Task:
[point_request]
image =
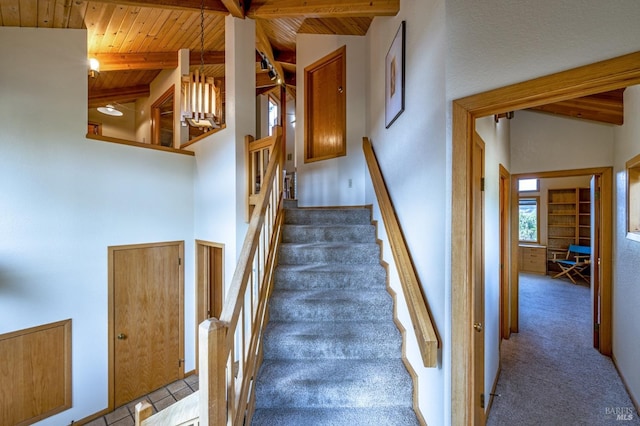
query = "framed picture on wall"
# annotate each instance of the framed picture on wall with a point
(394, 78)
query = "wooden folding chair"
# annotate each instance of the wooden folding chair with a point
(578, 259)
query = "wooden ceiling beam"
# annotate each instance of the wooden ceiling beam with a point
(210, 6)
(121, 95)
(264, 45)
(235, 7)
(286, 56)
(607, 107)
(273, 9)
(153, 60)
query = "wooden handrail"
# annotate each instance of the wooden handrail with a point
(426, 334)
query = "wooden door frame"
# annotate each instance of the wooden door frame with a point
(599, 77)
(478, 265)
(155, 116)
(202, 283)
(506, 264)
(111, 308)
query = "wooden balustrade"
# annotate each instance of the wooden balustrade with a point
(230, 347)
(416, 302)
(237, 336)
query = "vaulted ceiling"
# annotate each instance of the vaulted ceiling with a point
(135, 39)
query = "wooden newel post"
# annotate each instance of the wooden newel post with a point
(143, 410)
(212, 371)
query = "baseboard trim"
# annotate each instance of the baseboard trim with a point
(626, 386)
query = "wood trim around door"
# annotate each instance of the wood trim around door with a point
(505, 252)
(111, 310)
(204, 285)
(599, 77)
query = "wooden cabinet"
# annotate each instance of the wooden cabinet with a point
(568, 220)
(533, 258)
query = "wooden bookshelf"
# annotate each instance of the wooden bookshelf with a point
(568, 221)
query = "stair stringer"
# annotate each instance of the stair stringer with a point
(398, 323)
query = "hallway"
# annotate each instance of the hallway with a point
(550, 373)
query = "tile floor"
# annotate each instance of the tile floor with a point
(160, 399)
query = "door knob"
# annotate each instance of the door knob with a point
(122, 336)
(477, 326)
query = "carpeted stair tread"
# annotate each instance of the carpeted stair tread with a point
(326, 339)
(333, 383)
(330, 276)
(351, 253)
(330, 305)
(348, 416)
(329, 233)
(313, 216)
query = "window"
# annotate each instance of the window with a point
(633, 198)
(529, 219)
(528, 185)
(273, 115)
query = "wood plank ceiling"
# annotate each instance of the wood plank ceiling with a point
(135, 39)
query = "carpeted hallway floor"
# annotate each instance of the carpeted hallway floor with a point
(551, 374)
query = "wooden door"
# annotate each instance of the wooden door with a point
(595, 257)
(147, 314)
(477, 280)
(325, 109)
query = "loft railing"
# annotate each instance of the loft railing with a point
(230, 347)
(416, 302)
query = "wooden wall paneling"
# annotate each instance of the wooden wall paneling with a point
(35, 373)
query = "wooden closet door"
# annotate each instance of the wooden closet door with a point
(326, 107)
(147, 333)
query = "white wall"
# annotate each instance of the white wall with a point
(326, 183)
(413, 161)
(626, 291)
(545, 142)
(65, 199)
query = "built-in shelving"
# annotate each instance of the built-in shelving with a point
(568, 220)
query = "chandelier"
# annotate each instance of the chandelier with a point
(201, 101)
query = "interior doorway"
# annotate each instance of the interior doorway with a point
(607, 75)
(597, 217)
(210, 282)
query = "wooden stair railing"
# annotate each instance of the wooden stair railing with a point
(425, 330)
(230, 348)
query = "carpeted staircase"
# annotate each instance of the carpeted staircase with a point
(332, 353)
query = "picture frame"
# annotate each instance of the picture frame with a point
(394, 77)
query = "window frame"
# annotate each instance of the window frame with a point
(633, 198)
(529, 190)
(536, 199)
(272, 100)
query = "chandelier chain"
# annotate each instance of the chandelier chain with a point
(201, 36)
